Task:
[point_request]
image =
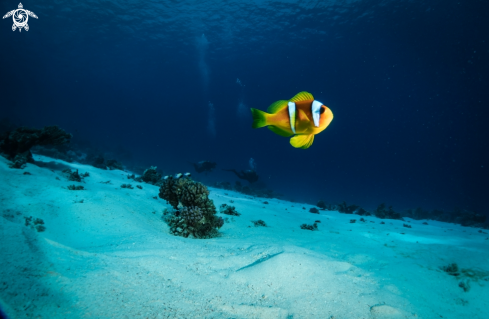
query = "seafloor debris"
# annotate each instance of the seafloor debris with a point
(464, 284)
(465, 275)
(258, 223)
(314, 210)
(310, 227)
(75, 187)
(72, 176)
(35, 223)
(228, 210)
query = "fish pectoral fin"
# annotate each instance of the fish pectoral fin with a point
(302, 116)
(279, 131)
(302, 96)
(302, 141)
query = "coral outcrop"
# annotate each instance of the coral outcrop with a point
(16, 145)
(151, 176)
(99, 161)
(113, 164)
(321, 205)
(386, 213)
(347, 209)
(193, 214)
(458, 216)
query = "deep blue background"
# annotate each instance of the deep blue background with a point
(407, 82)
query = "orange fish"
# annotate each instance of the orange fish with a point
(301, 116)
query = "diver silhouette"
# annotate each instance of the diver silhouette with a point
(249, 175)
(204, 166)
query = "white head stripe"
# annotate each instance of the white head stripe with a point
(315, 110)
(292, 116)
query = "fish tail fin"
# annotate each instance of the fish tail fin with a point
(259, 118)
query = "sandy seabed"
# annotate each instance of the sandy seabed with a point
(106, 253)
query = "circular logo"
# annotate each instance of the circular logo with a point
(20, 18)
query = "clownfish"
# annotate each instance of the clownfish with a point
(301, 116)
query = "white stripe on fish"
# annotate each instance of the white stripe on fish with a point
(315, 110)
(292, 114)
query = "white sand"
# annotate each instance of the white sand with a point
(112, 257)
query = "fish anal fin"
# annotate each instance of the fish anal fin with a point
(302, 141)
(277, 106)
(279, 131)
(302, 96)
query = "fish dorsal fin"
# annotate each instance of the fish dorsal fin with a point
(302, 96)
(302, 141)
(277, 106)
(279, 131)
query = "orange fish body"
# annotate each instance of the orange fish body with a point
(301, 116)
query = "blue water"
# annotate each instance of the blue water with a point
(406, 80)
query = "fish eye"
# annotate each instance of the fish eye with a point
(322, 110)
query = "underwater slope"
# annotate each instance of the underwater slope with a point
(106, 253)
